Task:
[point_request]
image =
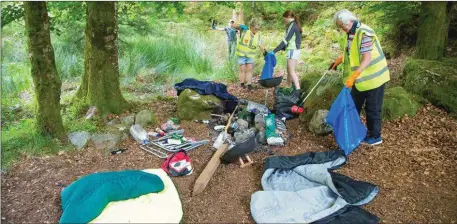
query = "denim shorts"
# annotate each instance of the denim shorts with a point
(242, 60)
(293, 54)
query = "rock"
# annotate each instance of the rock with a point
(435, 81)
(193, 106)
(242, 124)
(79, 139)
(113, 122)
(241, 136)
(259, 121)
(119, 129)
(107, 142)
(318, 125)
(128, 121)
(397, 102)
(92, 112)
(323, 95)
(145, 118)
(261, 138)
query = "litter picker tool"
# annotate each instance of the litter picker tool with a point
(208, 172)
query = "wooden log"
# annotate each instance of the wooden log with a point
(211, 167)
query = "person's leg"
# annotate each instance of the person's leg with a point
(373, 107)
(359, 98)
(291, 72)
(241, 63)
(249, 68)
(289, 76)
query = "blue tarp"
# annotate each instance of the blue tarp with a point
(205, 88)
(269, 67)
(348, 130)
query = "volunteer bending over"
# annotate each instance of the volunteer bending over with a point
(365, 67)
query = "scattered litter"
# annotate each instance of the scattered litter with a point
(118, 151)
(219, 127)
(202, 121)
(139, 134)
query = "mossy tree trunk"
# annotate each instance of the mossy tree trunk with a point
(433, 30)
(100, 85)
(44, 73)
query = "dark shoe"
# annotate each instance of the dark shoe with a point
(250, 87)
(373, 141)
(243, 86)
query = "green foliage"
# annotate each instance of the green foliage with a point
(435, 81)
(397, 102)
(21, 139)
(11, 11)
(323, 95)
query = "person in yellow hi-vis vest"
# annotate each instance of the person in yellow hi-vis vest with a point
(246, 48)
(365, 70)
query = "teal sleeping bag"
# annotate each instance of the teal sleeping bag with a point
(85, 199)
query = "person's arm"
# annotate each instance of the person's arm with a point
(240, 27)
(289, 35)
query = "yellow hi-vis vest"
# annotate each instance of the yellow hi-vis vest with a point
(376, 73)
(247, 45)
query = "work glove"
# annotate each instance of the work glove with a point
(350, 81)
(336, 63)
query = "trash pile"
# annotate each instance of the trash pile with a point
(168, 143)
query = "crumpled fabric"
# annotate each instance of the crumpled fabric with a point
(348, 129)
(205, 88)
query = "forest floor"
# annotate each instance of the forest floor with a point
(415, 168)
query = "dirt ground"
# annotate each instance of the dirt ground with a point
(415, 168)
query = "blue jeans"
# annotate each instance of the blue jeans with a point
(244, 60)
(373, 105)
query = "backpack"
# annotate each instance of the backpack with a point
(177, 164)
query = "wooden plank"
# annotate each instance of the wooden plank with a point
(211, 167)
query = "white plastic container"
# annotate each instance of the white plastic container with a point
(139, 134)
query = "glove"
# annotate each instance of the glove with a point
(350, 81)
(336, 63)
(243, 27)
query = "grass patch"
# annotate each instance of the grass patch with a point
(21, 139)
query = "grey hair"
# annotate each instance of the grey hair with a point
(344, 16)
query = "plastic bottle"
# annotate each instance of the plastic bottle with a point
(139, 134)
(257, 108)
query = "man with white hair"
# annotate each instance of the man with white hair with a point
(365, 65)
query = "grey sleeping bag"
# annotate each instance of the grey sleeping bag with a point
(303, 189)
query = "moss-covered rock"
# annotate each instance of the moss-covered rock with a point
(324, 94)
(397, 102)
(192, 105)
(436, 81)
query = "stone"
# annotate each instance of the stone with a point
(398, 103)
(145, 118)
(242, 124)
(241, 136)
(193, 106)
(119, 129)
(79, 139)
(107, 142)
(261, 138)
(323, 95)
(113, 122)
(435, 81)
(128, 121)
(259, 121)
(318, 124)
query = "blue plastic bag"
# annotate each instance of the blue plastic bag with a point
(348, 130)
(269, 67)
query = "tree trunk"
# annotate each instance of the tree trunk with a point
(44, 73)
(100, 85)
(433, 30)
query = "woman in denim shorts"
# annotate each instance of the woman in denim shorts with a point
(246, 48)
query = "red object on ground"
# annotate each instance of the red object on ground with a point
(297, 109)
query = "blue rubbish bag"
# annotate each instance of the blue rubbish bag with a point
(269, 67)
(348, 130)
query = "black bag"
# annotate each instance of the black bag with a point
(284, 101)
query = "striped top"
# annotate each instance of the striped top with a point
(367, 43)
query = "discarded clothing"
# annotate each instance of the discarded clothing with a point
(205, 88)
(162, 207)
(303, 189)
(348, 130)
(269, 67)
(85, 199)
